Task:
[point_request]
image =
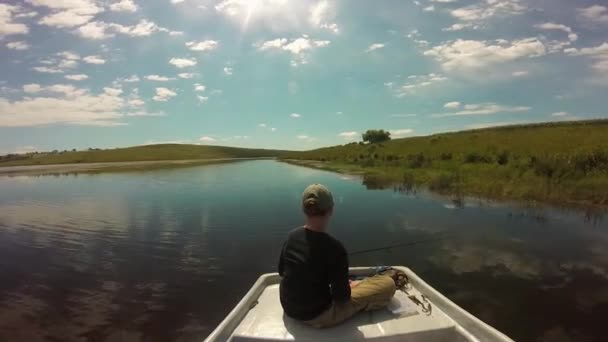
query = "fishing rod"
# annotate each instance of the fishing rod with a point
(405, 244)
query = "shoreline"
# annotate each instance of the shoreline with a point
(53, 169)
(377, 178)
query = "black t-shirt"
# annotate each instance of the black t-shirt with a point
(314, 267)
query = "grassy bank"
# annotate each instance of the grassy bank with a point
(564, 163)
(137, 153)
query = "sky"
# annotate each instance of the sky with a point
(291, 74)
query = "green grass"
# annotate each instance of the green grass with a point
(565, 163)
(138, 153)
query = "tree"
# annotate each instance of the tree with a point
(376, 136)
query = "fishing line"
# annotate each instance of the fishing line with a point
(405, 244)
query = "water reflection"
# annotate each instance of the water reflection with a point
(165, 255)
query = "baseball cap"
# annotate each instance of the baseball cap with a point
(317, 199)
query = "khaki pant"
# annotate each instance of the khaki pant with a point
(370, 294)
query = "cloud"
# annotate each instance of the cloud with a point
(32, 88)
(206, 139)
(136, 102)
(462, 55)
(199, 87)
(47, 70)
(483, 109)
(183, 62)
(460, 26)
(8, 26)
(595, 13)
(202, 99)
(94, 60)
(95, 30)
(76, 77)
(18, 45)
(487, 9)
(560, 114)
(123, 6)
(142, 113)
(273, 129)
(519, 73)
(429, 8)
(143, 28)
(415, 36)
(303, 137)
(452, 105)
(299, 48)
(177, 1)
(262, 125)
(322, 15)
(295, 115)
(163, 94)
(552, 26)
(228, 71)
(374, 46)
(158, 78)
(415, 83)
(598, 54)
(206, 45)
(67, 14)
(187, 75)
(349, 135)
(401, 132)
(64, 104)
(130, 79)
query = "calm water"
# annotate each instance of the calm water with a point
(164, 255)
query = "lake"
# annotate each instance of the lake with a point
(164, 255)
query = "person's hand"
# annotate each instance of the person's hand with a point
(353, 283)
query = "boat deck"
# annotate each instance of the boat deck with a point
(259, 317)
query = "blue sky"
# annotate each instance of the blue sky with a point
(291, 74)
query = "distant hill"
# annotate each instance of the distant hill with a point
(137, 153)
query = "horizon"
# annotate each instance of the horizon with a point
(279, 74)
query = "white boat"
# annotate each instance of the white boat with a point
(420, 313)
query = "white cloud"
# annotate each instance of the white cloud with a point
(471, 54)
(32, 88)
(206, 139)
(484, 109)
(30, 14)
(143, 28)
(595, 13)
(183, 62)
(303, 137)
(143, 113)
(460, 26)
(136, 102)
(47, 70)
(130, 79)
(176, 33)
(202, 99)
(64, 104)
(228, 71)
(163, 94)
(187, 75)
(177, 1)
(199, 87)
(349, 135)
(598, 54)
(206, 45)
(262, 125)
(322, 15)
(415, 83)
(415, 36)
(123, 6)
(374, 46)
(69, 55)
(560, 114)
(295, 115)
(273, 129)
(429, 8)
(95, 30)
(299, 47)
(76, 77)
(452, 105)
(487, 9)
(7, 24)
(94, 60)
(159, 78)
(552, 26)
(18, 45)
(395, 133)
(67, 13)
(519, 73)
